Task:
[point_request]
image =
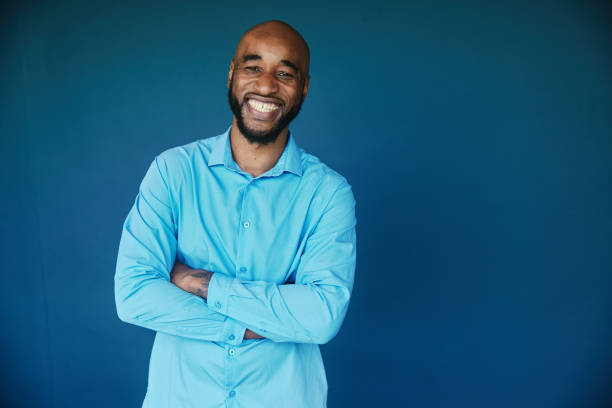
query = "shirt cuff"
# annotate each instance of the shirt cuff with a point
(218, 292)
(233, 332)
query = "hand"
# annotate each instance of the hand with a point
(194, 281)
(248, 334)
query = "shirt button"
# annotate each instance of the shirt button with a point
(242, 269)
(232, 352)
(232, 393)
(231, 337)
(246, 224)
(218, 305)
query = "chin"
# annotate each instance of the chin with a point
(259, 130)
(260, 136)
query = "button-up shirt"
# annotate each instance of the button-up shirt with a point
(282, 249)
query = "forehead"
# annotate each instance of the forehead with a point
(271, 48)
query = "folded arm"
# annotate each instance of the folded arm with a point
(144, 294)
(196, 281)
(309, 311)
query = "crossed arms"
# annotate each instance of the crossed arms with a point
(196, 282)
(150, 294)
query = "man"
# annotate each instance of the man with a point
(240, 249)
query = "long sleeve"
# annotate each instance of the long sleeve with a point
(312, 309)
(144, 294)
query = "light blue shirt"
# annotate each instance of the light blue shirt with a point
(282, 249)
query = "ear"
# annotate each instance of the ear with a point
(230, 73)
(305, 89)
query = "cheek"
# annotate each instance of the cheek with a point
(240, 85)
(291, 93)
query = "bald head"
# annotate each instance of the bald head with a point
(276, 32)
(268, 82)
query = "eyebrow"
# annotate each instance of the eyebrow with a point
(290, 64)
(253, 57)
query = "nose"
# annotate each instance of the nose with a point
(266, 84)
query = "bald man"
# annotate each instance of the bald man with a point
(239, 250)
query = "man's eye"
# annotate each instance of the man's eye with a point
(251, 69)
(284, 74)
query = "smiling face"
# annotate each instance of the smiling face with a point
(268, 81)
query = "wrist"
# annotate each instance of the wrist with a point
(199, 281)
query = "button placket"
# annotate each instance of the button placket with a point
(231, 353)
(246, 226)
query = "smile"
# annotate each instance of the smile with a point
(262, 106)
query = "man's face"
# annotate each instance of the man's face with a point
(267, 84)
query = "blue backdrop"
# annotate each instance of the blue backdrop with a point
(476, 135)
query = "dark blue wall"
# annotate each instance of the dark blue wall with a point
(477, 138)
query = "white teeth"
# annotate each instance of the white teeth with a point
(261, 106)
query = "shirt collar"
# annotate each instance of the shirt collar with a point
(217, 154)
(289, 161)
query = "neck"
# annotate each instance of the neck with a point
(254, 158)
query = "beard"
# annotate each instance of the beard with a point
(261, 137)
